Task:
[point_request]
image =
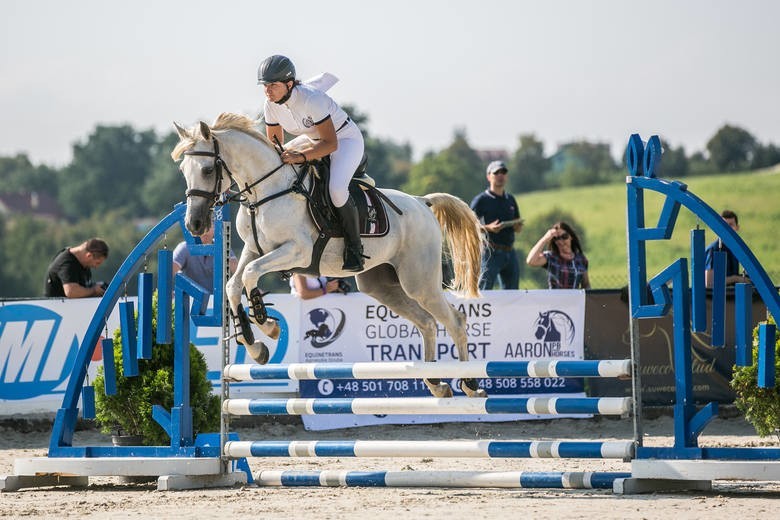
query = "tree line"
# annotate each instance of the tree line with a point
(120, 177)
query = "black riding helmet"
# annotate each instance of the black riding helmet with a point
(275, 68)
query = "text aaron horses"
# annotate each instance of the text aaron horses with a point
(403, 268)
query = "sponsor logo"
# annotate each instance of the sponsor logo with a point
(555, 329)
(328, 325)
(307, 121)
(37, 351)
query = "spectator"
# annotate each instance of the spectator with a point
(567, 266)
(500, 218)
(732, 264)
(308, 287)
(199, 268)
(69, 274)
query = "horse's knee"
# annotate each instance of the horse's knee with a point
(233, 286)
(249, 278)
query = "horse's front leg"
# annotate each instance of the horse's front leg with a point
(279, 259)
(244, 335)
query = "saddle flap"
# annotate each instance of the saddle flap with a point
(372, 213)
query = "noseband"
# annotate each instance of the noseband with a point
(219, 163)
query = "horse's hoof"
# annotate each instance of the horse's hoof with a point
(271, 329)
(259, 352)
(479, 392)
(441, 390)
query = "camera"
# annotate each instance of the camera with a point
(344, 286)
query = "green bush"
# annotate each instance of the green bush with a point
(761, 406)
(129, 411)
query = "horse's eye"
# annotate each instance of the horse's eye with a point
(207, 170)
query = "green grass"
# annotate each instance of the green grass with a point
(600, 216)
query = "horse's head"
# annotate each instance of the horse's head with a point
(204, 171)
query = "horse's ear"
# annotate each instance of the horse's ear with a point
(181, 131)
(205, 131)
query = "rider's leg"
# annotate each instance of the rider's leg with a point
(343, 163)
(353, 247)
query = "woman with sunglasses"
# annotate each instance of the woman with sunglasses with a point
(559, 251)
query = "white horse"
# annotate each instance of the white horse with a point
(402, 268)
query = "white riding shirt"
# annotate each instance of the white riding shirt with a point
(306, 108)
(299, 115)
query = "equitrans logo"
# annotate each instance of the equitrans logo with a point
(37, 351)
(328, 325)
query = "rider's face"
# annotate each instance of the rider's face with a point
(275, 91)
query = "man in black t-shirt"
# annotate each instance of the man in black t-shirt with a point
(499, 215)
(69, 274)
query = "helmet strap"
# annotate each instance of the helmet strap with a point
(286, 96)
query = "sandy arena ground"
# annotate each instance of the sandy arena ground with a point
(110, 498)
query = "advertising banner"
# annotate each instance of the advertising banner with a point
(502, 326)
(39, 340)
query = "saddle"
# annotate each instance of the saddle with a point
(370, 202)
(371, 212)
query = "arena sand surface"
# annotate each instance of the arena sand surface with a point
(108, 497)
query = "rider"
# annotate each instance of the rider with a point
(305, 111)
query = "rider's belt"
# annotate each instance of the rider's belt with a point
(345, 123)
(499, 247)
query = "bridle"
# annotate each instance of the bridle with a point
(219, 163)
(237, 196)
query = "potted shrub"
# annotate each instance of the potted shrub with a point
(761, 406)
(129, 411)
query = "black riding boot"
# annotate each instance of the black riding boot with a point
(353, 248)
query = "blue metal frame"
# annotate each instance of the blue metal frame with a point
(178, 422)
(642, 162)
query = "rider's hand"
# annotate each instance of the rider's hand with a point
(293, 157)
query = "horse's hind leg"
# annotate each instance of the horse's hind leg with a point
(428, 294)
(382, 284)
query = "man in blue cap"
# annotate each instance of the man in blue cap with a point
(500, 218)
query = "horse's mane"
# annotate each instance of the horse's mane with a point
(224, 121)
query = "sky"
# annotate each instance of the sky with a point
(420, 70)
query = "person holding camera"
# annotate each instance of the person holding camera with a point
(69, 274)
(199, 268)
(559, 251)
(308, 287)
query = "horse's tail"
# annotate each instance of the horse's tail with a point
(464, 240)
